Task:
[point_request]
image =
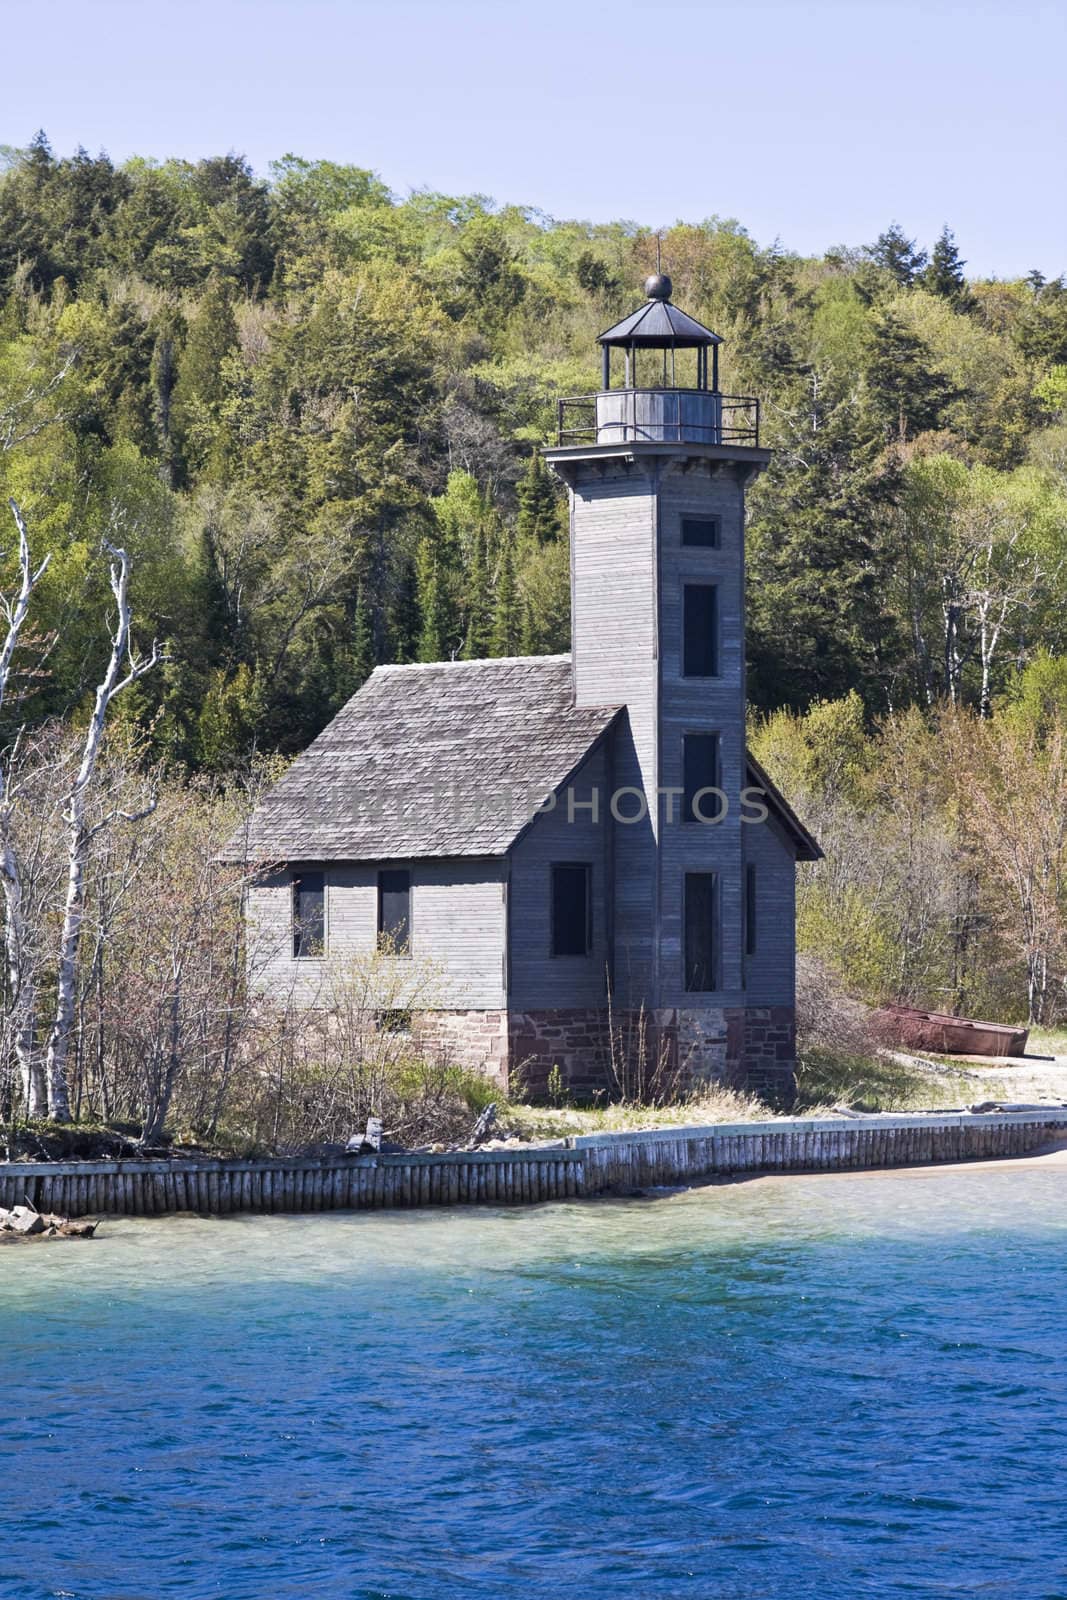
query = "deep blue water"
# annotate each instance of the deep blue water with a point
(826, 1386)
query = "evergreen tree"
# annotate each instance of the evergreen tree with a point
(894, 251)
(820, 618)
(201, 384)
(507, 620)
(433, 633)
(479, 608)
(539, 505)
(944, 275)
(907, 392)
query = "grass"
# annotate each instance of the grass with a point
(879, 1082)
(709, 1105)
(1047, 1042)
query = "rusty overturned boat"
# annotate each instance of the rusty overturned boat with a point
(946, 1035)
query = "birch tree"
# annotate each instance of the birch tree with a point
(21, 976)
(125, 667)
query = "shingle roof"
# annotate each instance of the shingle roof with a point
(446, 759)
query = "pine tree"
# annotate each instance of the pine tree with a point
(894, 251)
(539, 506)
(432, 606)
(944, 275)
(477, 640)
(201, 386)
(504, 640)
(906, 391)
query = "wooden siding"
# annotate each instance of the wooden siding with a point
(615, 648)
(539, 980)
(770, 974)
(459, 925)
(702, 705)
(629, 569)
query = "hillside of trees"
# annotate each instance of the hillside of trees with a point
(310, 410)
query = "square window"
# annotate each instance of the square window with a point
(572, 910)
(700, 630)
(394, 912)
(309, 914)
(701, 533)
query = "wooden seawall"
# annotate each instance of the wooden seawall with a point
(596, 1164)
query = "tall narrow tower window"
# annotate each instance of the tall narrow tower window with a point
(700, 627)
(751, 924)
(701, 772)
(701, 932)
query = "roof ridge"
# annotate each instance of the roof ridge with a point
(477, 661)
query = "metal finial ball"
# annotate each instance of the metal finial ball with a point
(658, 286)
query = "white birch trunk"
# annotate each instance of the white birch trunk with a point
(21, 976)
(80, 836)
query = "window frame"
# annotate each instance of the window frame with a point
(716, 933)
(701, 733)
(297, 879)
(713, 521)
(400, 952)
(692, 585)
(585, 867)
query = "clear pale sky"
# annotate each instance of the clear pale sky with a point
(816, 123)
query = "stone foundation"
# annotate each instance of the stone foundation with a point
(745, 1047)
(477, 1040)
(631, 1054)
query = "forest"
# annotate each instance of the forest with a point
(309, 411)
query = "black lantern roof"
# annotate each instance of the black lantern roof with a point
(658, 324)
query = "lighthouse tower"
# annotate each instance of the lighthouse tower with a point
(657, 466)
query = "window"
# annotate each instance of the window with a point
(701, 931)
(394, 912)
(701, 532)
(750, 910)
(700, 628)
(309, 914)
(394, 1021)
(572, 911)
(700, 771)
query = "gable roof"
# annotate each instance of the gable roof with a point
(442, 760)
(808, 847)
(446, 759)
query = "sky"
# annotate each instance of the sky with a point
(814, 122)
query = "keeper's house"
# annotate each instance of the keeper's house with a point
(552, 832)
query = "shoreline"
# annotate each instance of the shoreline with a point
(579, 1167)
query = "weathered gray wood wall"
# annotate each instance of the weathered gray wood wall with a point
(458, 911)
(538, 979)
(586, 1166)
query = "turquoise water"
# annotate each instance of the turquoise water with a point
(824, 1386)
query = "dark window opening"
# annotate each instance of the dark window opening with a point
(394, 912)
(700, 772)
(750, 910)
(701, 931)
(700, 628)
(701, 532)
(572, 911)
(309, 914)
(393, 1021)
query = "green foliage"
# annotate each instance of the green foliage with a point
(314, 411)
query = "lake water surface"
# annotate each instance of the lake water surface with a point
(803, 1386)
